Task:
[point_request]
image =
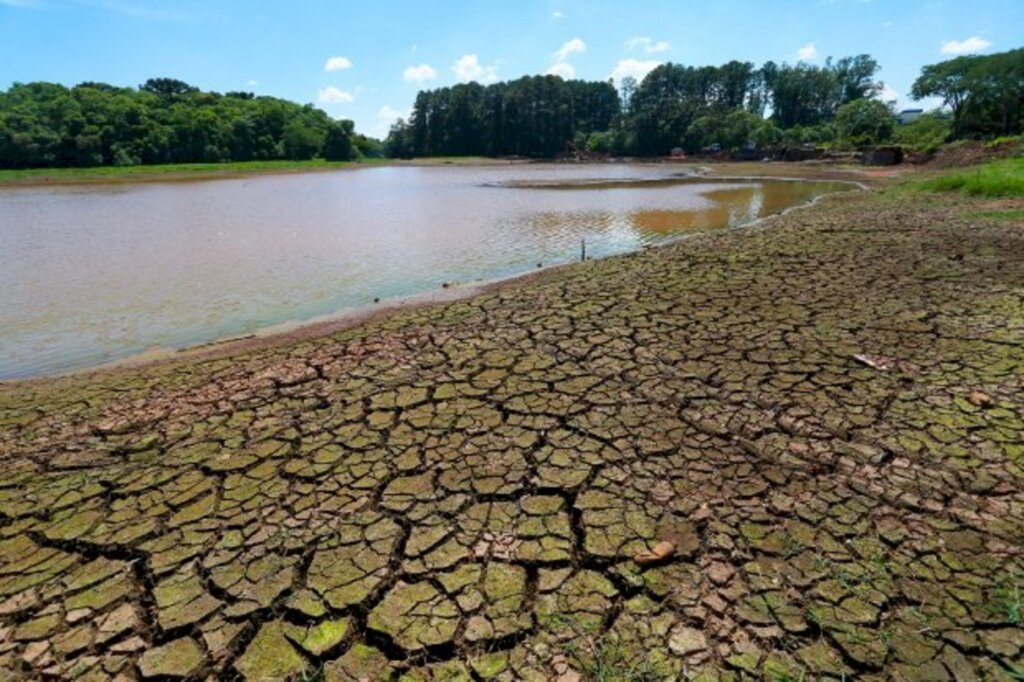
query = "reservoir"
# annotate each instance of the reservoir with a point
(92, 274)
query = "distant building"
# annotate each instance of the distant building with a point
(909, 115)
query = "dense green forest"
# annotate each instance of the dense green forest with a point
(675, 106)
(732, 106)
(163, 121)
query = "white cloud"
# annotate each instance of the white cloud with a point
(887, 94)
(333, 95)
(807, 53)
(886, 24)
(252, 83)
(558, 14)
(389, 114)
(563, 69)
(386, 117)
(649, 45)
(574, 45)
(337, 64)
(967, 46)
(468, 68)
(419, 74)
(636, 68)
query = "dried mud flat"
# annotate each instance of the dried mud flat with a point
(458, 491)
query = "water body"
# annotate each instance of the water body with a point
(92, 274)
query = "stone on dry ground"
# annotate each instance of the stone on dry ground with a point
(458, 491)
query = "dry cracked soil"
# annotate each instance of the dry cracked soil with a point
(457, 491)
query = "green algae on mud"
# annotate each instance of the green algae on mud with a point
(459, 489)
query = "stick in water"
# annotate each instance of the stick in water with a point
(583, 249)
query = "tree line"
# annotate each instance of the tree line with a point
(732, 106)
(675, 107)
(163, 121)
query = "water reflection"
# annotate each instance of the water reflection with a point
(88, 275)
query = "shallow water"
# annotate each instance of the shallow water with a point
(93, 274)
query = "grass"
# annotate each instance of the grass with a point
(1011, 214)
(996, 179)
(189, 171)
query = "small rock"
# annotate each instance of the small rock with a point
(662, 550)
(130, 645)
(76, 615)
(34, 651)
(979, 399)
(685, 641)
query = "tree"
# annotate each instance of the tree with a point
(167, 87)
(926, 132)
(338, 144)
(163, 121)
(864, 122)
(984, 93)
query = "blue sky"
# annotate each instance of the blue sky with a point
(366, 60)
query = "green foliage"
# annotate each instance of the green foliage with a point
(766, 134)
(600, 143)
(864, 122)
(674, 106)
(807, 95)
(926, 133)
(985, 93)
(163, 121)
(535, 116)
(996, 179)
(338, 144)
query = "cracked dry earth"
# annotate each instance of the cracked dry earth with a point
(457, 491)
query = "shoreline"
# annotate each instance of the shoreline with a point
(296, 331)
(184, 173)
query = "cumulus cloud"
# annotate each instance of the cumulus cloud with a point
(252, 83)
(389, 114)
(966, 46)
(419, 74)
(337, 64)
(333, 95)
(648, 44)
(887, 94)
(807, 53)
(635, 68)
(386, 117)
(468, 68)
(563, 69)
(570, 47)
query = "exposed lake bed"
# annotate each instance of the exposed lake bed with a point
(95, 274)
(468, 485)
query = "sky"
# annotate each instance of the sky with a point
(366, 60)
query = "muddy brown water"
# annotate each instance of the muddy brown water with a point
(93, 274)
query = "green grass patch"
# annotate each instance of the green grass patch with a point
(185, 171)
(1012, 215)
(996, 179)
(115, 173)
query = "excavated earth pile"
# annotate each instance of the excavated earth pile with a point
(823, 416)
